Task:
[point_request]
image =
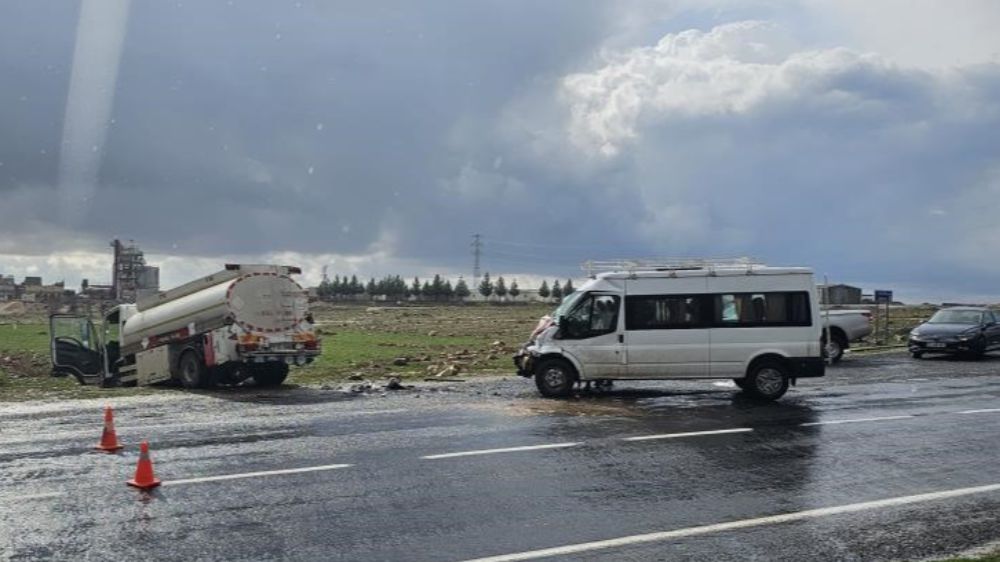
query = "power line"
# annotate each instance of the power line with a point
(477, 250)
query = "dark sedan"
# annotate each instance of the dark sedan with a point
(960, 330)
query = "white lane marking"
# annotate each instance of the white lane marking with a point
(741, 524)
(985, 411)
(689, 434)
(255, 474)
(855, 420)
(504, 450)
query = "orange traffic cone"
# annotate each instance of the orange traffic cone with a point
(144, 478)
(109, 440)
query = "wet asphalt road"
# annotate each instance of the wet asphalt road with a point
(876, 428)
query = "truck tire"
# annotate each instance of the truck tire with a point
(270, 374)
(191, 370)
(834, 349)
(555, 378)
(767, 380)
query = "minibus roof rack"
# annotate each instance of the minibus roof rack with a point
(668, 264)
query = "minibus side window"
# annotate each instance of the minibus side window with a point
(772, 309)
(664, 312)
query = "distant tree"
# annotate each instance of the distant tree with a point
(437, 287)
(486, 286)
(325, 289)
(415, 288)
(371, 288)
(557, 292)
(500, 289)
(427, 291)
(462, 289)
(354, 287)
(448, 291)
(514, 289)
(568, 287)
(543, 291)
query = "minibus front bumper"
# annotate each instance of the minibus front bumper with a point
(525, 360)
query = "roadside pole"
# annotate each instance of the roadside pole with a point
(826, 328)
(883, 296)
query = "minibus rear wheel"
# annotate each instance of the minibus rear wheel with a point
(767, 380)
(555, 378)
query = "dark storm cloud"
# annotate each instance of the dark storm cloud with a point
(253, 127)
(559, 130)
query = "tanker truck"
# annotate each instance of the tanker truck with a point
(246, 321)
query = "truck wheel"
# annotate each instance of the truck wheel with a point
(193, 373)
(834, 349)
(555, 378)
(767, 380)
(270, 374)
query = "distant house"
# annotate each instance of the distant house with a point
(839, 294)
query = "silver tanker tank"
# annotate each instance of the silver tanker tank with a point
(259, 299)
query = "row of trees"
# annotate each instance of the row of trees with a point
(393, 287)
(437, 289)
(500, 289)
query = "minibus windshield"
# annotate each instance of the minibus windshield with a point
(567, 304)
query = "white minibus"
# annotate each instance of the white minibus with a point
(757, 325)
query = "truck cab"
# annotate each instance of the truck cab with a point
(87, 352)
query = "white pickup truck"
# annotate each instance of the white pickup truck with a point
(845, 326)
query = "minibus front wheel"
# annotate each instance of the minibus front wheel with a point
(555, 377)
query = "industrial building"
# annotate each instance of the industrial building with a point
(839, 294)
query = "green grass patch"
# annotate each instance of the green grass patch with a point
(24, 338)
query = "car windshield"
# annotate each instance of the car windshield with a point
(956, 317)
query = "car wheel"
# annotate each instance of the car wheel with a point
(767, 380)
(555, 378)
(834, 349)
(980, 349)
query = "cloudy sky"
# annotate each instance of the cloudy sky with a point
(860, 138)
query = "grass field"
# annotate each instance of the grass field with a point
(359, 342)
